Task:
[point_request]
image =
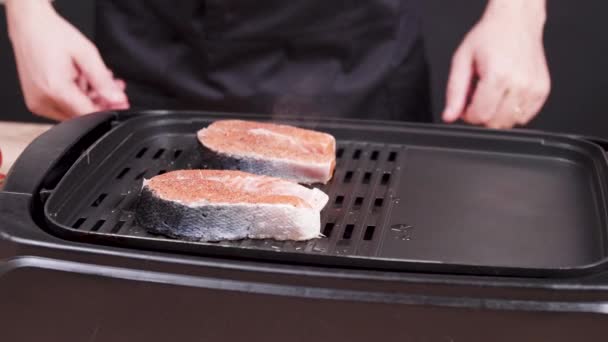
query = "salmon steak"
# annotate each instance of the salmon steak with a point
(214, 205)
(297, 154)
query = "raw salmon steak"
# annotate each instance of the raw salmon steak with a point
(297, 154)
(213, 205)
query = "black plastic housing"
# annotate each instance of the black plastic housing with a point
(66, 285)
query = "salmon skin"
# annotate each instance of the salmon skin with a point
(214, 205)
(288, 152)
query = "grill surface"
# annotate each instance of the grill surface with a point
(360, 196)
(406, 198)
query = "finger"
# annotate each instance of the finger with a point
(459, 83)
(509, 111)
(531, 111)
(534, 104)
(88, 60)
(94, 95)
(104, 105)
(112, 106)
(486, 98)
(120, 84)
(74, 102)
(120, 106)
(82, 83)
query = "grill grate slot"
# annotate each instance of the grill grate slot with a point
(348, 231)
(141, 152)
(123, 173)
(329, 227)
(99, 200)
(358, 202)
(339, 201)
(177, 153)
(339, 153)
(121, 198)
(97, 225)
(385, 179)
(348, 176)
(367, 177)
(369, 233)
(117, 227)
(158, 153)
(79, 222)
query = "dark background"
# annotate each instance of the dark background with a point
(575, 43)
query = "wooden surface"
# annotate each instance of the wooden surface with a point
(14, 138)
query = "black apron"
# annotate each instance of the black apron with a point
(347, 58)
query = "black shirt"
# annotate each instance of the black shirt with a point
(349, 58)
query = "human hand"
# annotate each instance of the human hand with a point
(59, 68)
(499, 75)
(94, 95)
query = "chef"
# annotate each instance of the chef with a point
(351, 58)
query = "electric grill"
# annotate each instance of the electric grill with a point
(432, 233)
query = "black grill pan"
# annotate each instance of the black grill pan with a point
(404, 197)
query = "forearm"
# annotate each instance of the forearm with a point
(532, 13)
(3, 2)
(22, 6)
(19, 12)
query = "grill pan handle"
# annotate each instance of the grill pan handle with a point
(48, 157)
